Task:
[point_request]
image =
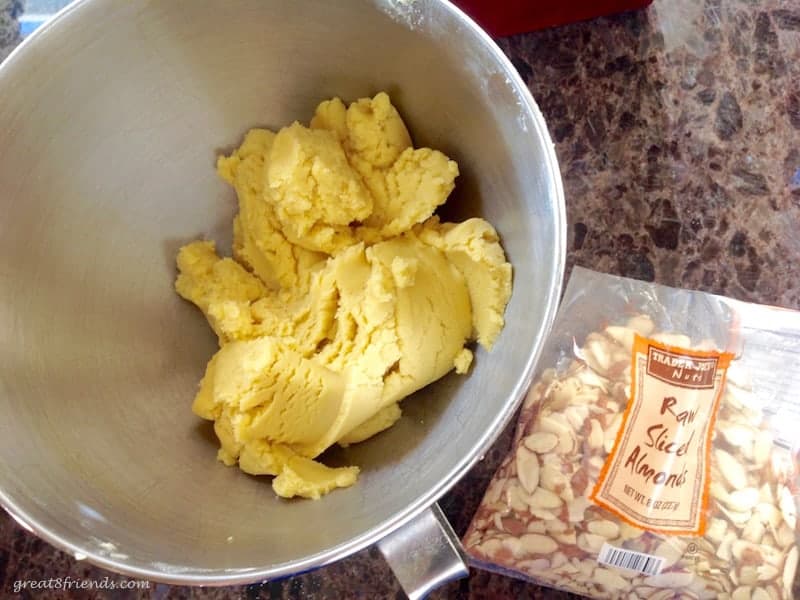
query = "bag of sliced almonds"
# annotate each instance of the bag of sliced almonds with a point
(656, 452)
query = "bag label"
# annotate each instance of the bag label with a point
(657, 474)
(630, 560)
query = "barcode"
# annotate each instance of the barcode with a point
(628, 559)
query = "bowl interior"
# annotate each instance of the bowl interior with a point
(112, 118)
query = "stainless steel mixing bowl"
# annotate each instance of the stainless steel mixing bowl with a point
(111, 119)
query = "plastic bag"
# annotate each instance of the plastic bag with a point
(656, 453)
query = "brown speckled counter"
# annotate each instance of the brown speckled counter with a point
(9, 28)
(678, 135)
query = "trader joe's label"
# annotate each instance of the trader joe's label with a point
(657, 474)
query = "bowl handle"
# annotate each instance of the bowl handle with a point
(424, 553)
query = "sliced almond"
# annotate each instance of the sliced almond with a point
(732, 470)
(489, 548)
(544, 515)
(746, 452)
(591, 543)
(537, 526)
(551, 477)
(535, 566)
(586, 568)
(742, 500)
(562, 392)
(762, 446)
(740, 548)
(494, 491)
(736, 434)
(670, 579)
(638, 544)
(673, 339)
(787, 506)
(556, 526)
(567, 494)
(628, 532)
(716, 530)
(498, 522)
(706, 345)
(567, 443)
(557, 425)
(702, 567)
(591, 379)
(733, 400)
(596, 436)
(771, 555)
(718, 491)
(514, 545)
(774, 592)
(790, 570)
(767, 572)
(739, 376)
(720, 585)
(768, 540)
(754, 530)
(784, 536)
(748, 575)
(703, 545)
(768, 513)
(576, 415)
(620, 394)
(744, 592)
(558, 559)
(517, 499)
(706, 594)
(596, 462)
(577, 508)
(604, 528)
(554, 423)
(622, 336)
(634, 577)
(671, 550)
(534, 543)
(567, 538)
(545, 499)
(642, 324)
(473, 538)
(609, 580)
(782, 466)
(551, 458)
(724, 550)
(533, 396)
(527, 463)
(541, 441)
(598, 353)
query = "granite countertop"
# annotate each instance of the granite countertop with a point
(10, 10)
(678, 134)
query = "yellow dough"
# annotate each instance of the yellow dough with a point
(344, 294)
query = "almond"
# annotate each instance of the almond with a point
(527, 464)
(605, 528)
(542, 498)
(541, 442)
(534, 543)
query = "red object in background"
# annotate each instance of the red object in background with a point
(507, 17)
